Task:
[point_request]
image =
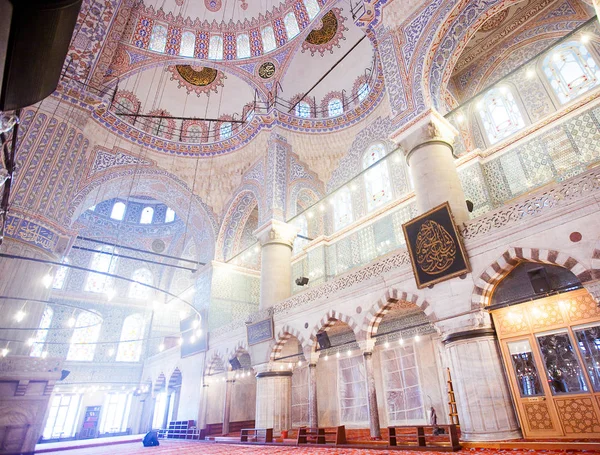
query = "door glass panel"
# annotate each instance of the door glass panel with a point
(588, 340)
(565, 374)
(523, 363)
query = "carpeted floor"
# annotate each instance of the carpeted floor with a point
(199, 448)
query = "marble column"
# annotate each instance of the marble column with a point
(276, 239)
(313, 409)
(483, 399)
(374, 426)
(274, 400)
(429, 154)
(203, 405)
(227, 403)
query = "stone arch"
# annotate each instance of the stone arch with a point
(376, 313)
(159, 185)
(240, 348)
(237, 213)
(497, 270)
(298, 188)
(451, 33)
(215, 362)
(331, 318)
(283, 336)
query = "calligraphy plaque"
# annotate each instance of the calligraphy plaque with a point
(435, 246)
(260, 331)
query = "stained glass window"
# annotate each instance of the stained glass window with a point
(377, 179)
(61, 416)
(188, 41)
(133, 329)
(102, 261)
(40, 336)
(118, 211)
(342, 208)
(335, 107)
(268, 39)
(352, 387)
(215, 48)
(303, 109)
(500, 114)
(363, 92)
(147, 214)
(169, 215)
(291, 25)
(571, 70)
(225, 130)
(158, 38)
(402, 387)
(115, 414)
(138, 291)
(85, 335)
(243, 46)
(61, 276)
(312, 8)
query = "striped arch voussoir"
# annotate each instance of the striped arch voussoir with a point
(239, 348)
(487, 281)
(328, 320)
(383, 305)
(283, 336)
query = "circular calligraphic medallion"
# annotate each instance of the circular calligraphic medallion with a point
(266, 70)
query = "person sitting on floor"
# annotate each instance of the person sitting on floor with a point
(151, 439)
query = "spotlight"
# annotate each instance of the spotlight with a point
(47, 280)
(301, 281)
(20, 316)
(386, 345)
(5, 352)
(417, 337)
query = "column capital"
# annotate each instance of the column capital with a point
(276, 232)
(430, 127)
(367, 346)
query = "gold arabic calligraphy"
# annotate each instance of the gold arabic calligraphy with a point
(435, 248)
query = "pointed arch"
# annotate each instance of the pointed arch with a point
(331, 318)
(497, 270)
(283, 336)
(376, 313)
(160, 383)
(216, 364)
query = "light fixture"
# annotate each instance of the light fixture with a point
(196, 323)
(460, 118)
(20, 315)
(47, 280)
(302, 281)
(199, 333)
(299, 363)
(337, 355)
(530, 73)
(417, 337)
(401, 341)
(349, 353)
(193, 339)
(111, 352)
(71, 321)
(326, 358)
(110, 294)
(290, 366)
(386, 345)
(585, 38)
(5, 352)
(182, 314)
(7, 122)
(44, 354)
(180, 341)
(30, 341)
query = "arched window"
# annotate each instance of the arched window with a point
(85, 336)
(40, 336)
(342, 208)
(571, 70)
(225, 130)
(377, 178)
(363, 92)
(102, 261)
(124, 105)
(188, 42)
(215, 48)
(303, 109)
(169, 215)
(139, 291)
(500, 114)
(61, 276)
(312, 8)
(194, 133)
(158, 38)
(268, 39)
(147, 215)
(335, 107)
(118, 211)
(291, 25)
(133, 329)
(243, 46)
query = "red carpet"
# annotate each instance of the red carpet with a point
(198, 448)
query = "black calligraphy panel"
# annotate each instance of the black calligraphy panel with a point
(435, 247)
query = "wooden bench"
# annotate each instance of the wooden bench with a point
(216, 429)
(333, 435)
(425, 437)
(256, 435)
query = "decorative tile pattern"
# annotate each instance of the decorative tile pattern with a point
(538, 416)
(577, 415)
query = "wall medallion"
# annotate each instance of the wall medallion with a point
(328, 36)
(197, 79)
(266, 70)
